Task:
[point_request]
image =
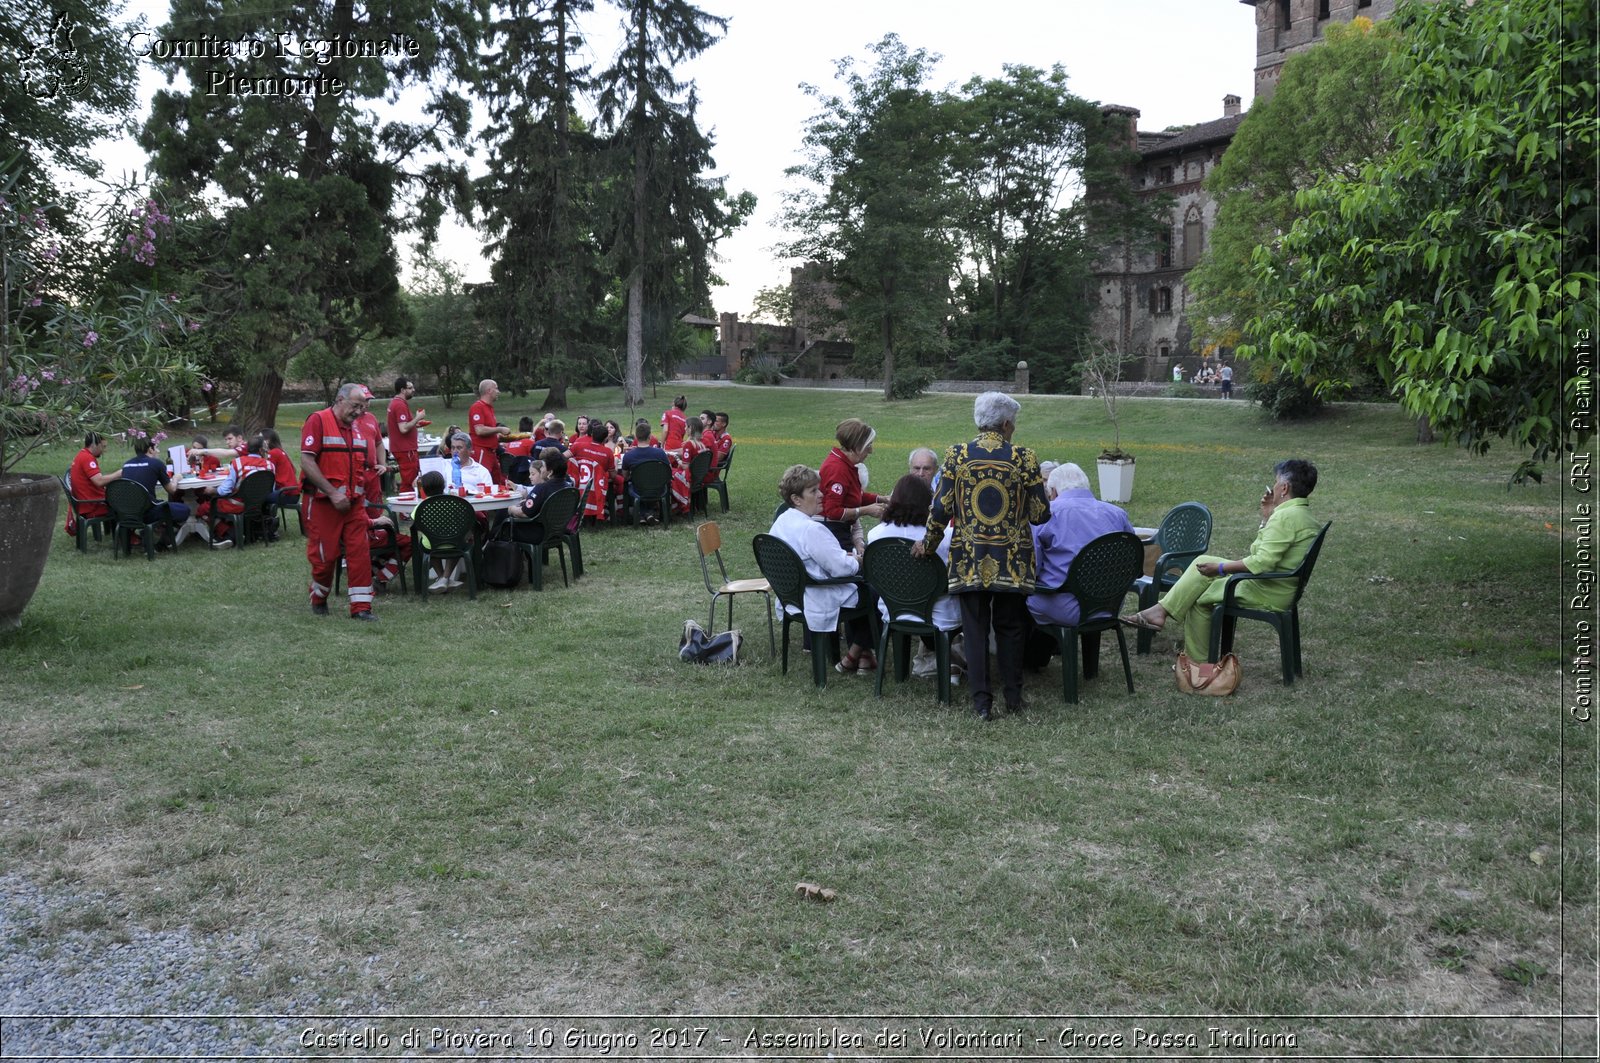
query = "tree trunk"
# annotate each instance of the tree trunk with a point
(557, 398)
(888, 358)
(258, 400)
(633, 388)
(1424, 429)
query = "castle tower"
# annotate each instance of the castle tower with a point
(1284, 27)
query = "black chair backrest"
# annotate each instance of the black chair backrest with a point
(1185, 527)
(253, 490)
(906, 584)
(557, 512)
(447, 521)
(651, 479)
(1302, 571)
(726, 463)
(1099, 576)
(782, 567)
(128, 500)
(66, 486)
(699, 466)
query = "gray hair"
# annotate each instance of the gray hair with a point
(1068, 477)
(923, 450)
(348, 391)
(993, 409)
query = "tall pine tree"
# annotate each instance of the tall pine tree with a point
(538, 197)
(669, 214)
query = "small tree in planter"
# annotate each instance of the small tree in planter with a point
(79, 351)
(1102, 368)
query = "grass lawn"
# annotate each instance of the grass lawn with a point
(526, 805)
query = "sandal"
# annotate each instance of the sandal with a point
(849, 664)
(1142, 622)
(868, 661)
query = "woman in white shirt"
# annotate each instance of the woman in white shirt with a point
(801, 527)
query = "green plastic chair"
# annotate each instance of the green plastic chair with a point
(129, 502)
(1226, 614)
(908, 585)
(1184, 535)
(449, 526)
(699, 497)
(652, 487)
(787, 576)
(720, 484)
(84, 524)
(550, 533)
(1099, 577)
(255, 494)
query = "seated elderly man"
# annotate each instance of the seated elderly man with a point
(1077, 518)
(1287, 532)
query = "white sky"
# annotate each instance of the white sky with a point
(1172, 59)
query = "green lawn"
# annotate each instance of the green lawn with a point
(526, 805)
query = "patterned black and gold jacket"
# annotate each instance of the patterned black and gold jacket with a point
(993, 493)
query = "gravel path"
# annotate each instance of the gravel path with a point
(127, 970)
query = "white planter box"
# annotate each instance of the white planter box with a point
(1116, 481)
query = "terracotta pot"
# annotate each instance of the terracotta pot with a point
(28, 505)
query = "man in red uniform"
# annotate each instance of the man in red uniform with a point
(719, 442)
(333, 470)
(367, 422)
(254, 459)
(675, 423)
(403, 425)
(485, 430)
(88, 482)
(590, 452)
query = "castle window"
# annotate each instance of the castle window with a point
(1164, 250)
(1363, 3)
(1162, 298)
(1284, 18)
(1322, 9)
(1164, 175)
(1193, 237)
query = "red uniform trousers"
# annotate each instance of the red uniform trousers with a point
(489, 458)
(410, 468)
(390, 566)
(329, 534)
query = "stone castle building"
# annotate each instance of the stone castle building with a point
(1143, 300)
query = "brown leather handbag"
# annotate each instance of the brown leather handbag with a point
(1222, 682)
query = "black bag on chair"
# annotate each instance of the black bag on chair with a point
(698, 648)
(502, 563)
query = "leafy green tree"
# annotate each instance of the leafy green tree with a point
(1335, 109)
(1462, 263)
(879, 202)
(667, 214)
(448, 342)
(1024, 274)
(67, 76)
(537, 196)
(312, 188)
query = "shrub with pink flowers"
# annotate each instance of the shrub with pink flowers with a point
(79, 352)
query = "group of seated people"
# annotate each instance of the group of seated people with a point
(1076, 518)
(598, 452)
(213, 502)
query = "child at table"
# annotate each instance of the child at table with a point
(429, 484)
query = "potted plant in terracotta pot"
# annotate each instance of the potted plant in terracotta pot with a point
(1102, 368)
(78, 353)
